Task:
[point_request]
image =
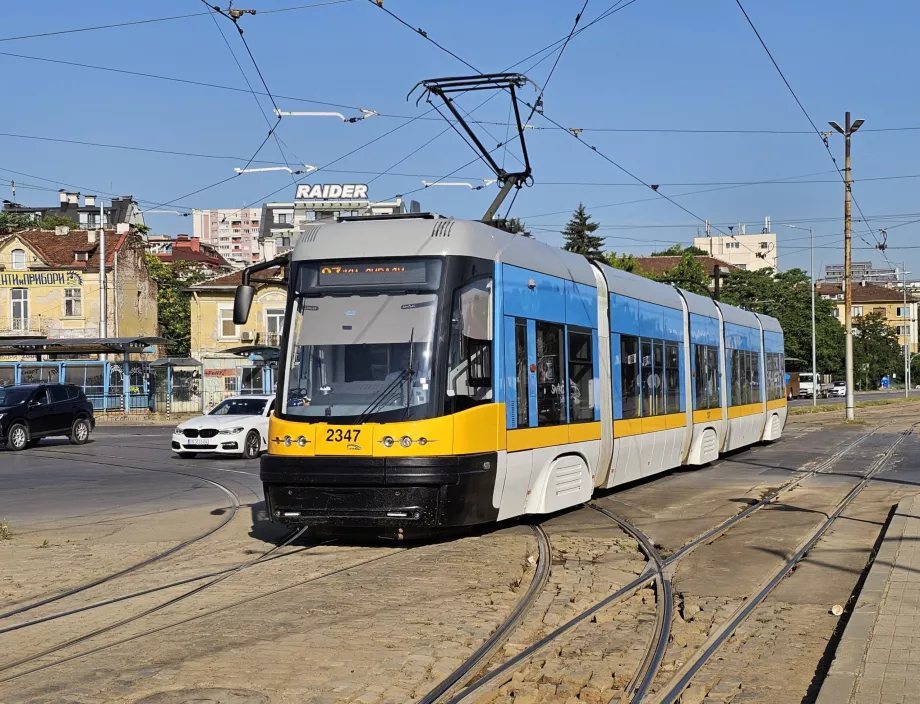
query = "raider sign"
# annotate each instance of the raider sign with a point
(331, 191)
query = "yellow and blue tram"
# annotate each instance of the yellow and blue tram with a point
(438, 373)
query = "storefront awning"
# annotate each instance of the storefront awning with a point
(264, 353)
(80, 345)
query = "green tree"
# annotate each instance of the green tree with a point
(787, 297)
(687, 274)
(626, 262)
(512, 225)
(49, 222)
(677, 250)
(876, 351)
(14, 222)
(579, 235)
(174, 301)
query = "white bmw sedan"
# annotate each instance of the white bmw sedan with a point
(235, 426)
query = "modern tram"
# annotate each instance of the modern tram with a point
(437, 373)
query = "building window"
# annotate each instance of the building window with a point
(228, 330)
(856, 311)
(73, 303)
(230, 384)
(19, 308)
(837, 313)
(903, 330)
(764, 245)
(880, 310)
(903, 312)
(19, 258)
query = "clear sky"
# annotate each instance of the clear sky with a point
(655, 65)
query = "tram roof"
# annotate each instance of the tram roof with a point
(739, 316)
(80, 345)
(433, 236)
(701, 305)
(770, 324)
(623, 283)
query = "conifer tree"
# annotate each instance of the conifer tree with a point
(579, 235)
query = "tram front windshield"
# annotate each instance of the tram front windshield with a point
(362, 357)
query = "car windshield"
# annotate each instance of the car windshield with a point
(840, 383)
(352, 355)
(239, 407)
(10, 396)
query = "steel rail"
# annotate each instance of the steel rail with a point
(478, 687)
(234, 507)
(158, 629)
(465, 672)
(675, 687)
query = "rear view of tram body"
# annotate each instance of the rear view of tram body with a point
(438, 373)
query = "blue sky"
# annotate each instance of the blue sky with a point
(657, 64)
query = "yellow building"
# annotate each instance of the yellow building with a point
(49, 285)
(237, 358)
(886, 302)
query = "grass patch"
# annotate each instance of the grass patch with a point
(5, 532)
(831, 407)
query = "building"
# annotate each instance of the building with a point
(183, 248)
(743, 251)
(234, 233)
(122, 211)
(316, 202)
(660, 265)
(886, 302)
(235, 356)
(50, 284)
(861, 272)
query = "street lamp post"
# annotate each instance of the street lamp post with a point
(814, 351)
(847, 132)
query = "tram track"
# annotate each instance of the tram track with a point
(225, 520)
(656, 570)
(673, 689)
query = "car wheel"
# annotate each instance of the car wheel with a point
(187, 455)
(252, 445)
(79, 431)
(17, 438)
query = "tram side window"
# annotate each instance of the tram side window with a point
(647, 371)
(737, 371)
(755, 377)
(581, 376)
(658, 378)
(469, 374)
(707, 377)
(550, 374)
(776, 386)
(713, 378)
(629, 375)
(523, 378)
(672, 377)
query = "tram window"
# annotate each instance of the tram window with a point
(736, 371)
(581, 376)
(712, 377)
(672, 377)
(469, 374)
(629, 375)
(755, 377)
(646, 370)
(550, 374)
(523, 378)
(700, 377)
(658, 378)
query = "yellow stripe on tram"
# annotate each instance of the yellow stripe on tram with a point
(749, 409)
(651, 424)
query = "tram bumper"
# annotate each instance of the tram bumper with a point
(380, 492)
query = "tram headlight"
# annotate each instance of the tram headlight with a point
(231, 431)
(302, 441)
(287, 441)
(387, 441)
(405, 441)
(422, 441)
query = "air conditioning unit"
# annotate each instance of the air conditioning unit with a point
(247, 336)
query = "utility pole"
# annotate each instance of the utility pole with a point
(905, 318)
(103, 293)
(847, 132)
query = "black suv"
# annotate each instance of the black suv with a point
(34, 411)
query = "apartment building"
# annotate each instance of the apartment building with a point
(743, 251)
(234, 233)
(884, 301)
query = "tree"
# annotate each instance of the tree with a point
(787, 297)
(876, 351)
(174, 308)
(579, 237)
(16, 222)
(626, 262)
(677, 250)
(512, 225)
(687, 274)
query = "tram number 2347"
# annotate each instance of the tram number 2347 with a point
(339, 435)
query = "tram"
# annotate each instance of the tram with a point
(437, 373)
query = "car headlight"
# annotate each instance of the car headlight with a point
(231, 431)
(177, 431)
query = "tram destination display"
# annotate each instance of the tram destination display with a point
(372, 273)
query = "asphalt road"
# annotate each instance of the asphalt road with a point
(860, 396)
(122, 471)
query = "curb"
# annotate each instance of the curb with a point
(840, 683)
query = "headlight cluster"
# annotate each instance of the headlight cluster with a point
(231, 431)
(177, 431)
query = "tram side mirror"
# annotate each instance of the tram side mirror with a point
(242, 302)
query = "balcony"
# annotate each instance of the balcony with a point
(22, 327)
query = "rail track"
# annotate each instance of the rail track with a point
(675, 686)
(658, 571)
(234, 508)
